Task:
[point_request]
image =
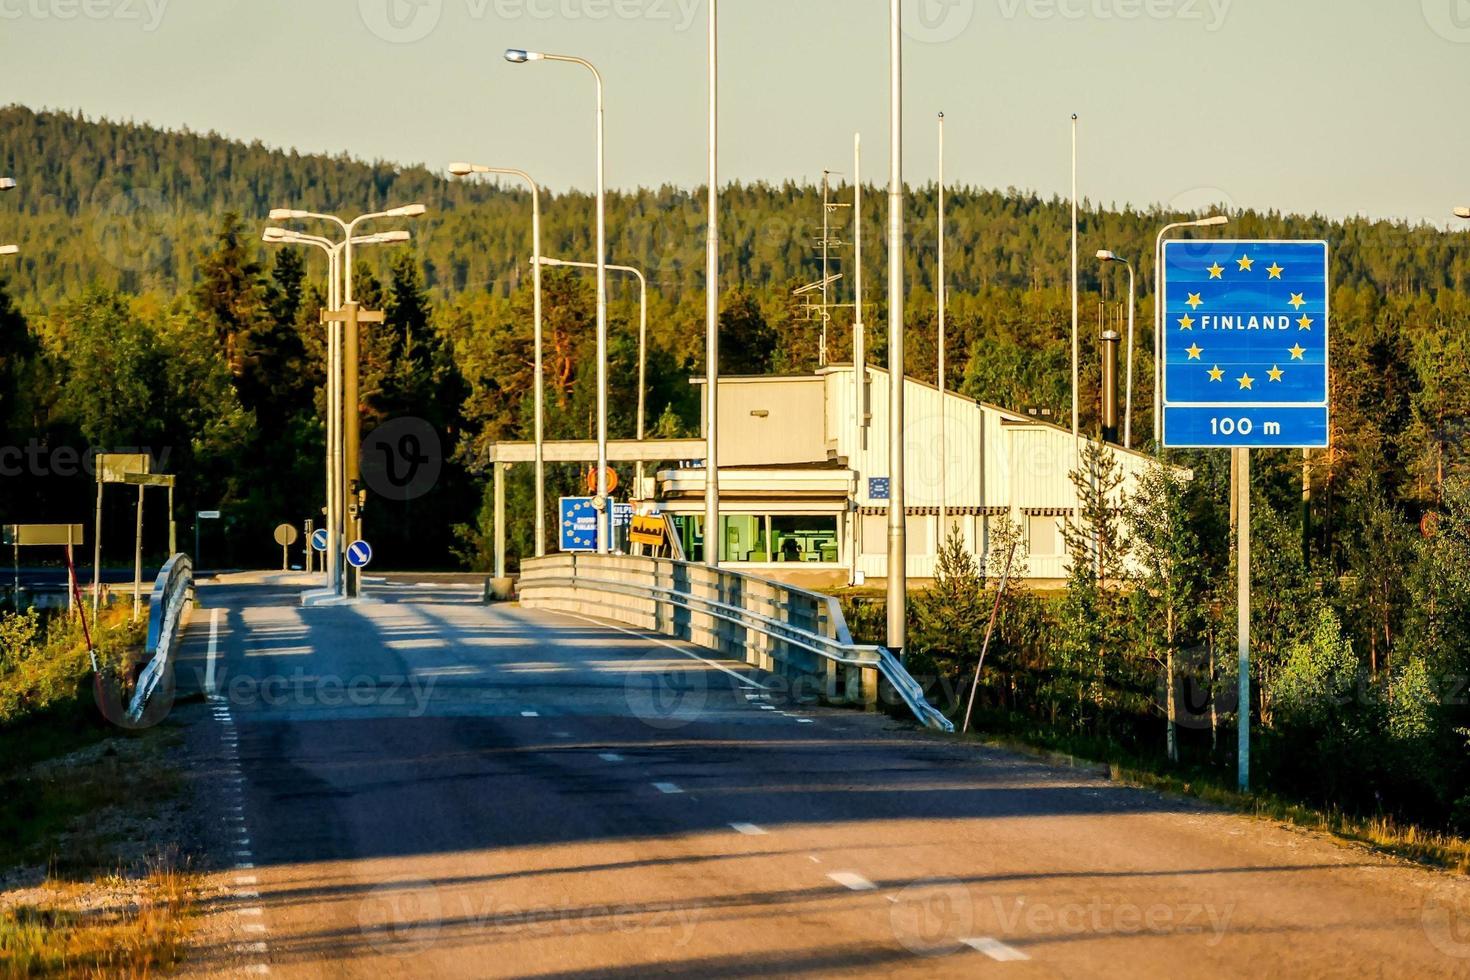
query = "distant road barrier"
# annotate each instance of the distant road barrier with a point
(173, 596)
(786, 631)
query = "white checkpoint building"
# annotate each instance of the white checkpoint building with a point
(803, 482)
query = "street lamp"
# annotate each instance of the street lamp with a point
(349, 229)
(338, 279)
(9, 249)
(464, 170)
(604, 515)
(1106, 256)
(713, 534)
(1210, 222)
(1462, 213)
(940, 296)
(897, 585)
(642, 334)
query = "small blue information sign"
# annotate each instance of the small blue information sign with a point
(879, 488)
(1245, 360)
(359, 554)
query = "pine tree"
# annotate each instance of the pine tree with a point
(1092, 612)
(231, 298)
(1167, 593)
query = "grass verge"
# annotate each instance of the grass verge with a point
(80, 804)
(138, 930)
(1382, 834)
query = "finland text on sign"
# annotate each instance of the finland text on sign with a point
(1245, 360)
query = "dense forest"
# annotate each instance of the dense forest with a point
(145, 311)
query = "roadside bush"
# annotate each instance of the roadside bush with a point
(44, 662)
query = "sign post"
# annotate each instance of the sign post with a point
(286, 536)
(1245, 366)
(111, 468)
(31, 535)
(143, 481)
(351, 316)
(199, 517)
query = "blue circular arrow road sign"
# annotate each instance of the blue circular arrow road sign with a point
(359, 554)
(319, 539)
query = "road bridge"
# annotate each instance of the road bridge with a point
(429, 786)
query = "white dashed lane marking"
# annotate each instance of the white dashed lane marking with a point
(748, 829)
(610, 757)
(670, 788)
(852, 880)
(995, 949)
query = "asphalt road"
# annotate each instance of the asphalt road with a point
(431, 787)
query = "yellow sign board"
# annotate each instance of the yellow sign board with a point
(115, 467)
(26, 535)
(649, 530)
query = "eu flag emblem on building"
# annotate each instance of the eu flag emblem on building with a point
(1245, 344)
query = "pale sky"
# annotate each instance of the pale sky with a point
(1331, 106)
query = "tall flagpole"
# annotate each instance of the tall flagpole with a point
(712, 535)
(897, 532)
(1076, 424)
(943, 404)
(859, 331)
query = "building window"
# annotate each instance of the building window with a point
(690, 528)
(1043, 536)
(804, 538)
(745, 538)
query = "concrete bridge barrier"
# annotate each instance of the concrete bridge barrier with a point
(794, 634)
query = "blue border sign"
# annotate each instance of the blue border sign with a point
(319, 539)
(1246, 333)
(359, 554)
(578, 524)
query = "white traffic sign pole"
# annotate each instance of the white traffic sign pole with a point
(1243, 609)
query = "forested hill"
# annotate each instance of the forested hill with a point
(134, 207)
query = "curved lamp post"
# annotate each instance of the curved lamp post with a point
(339, 260)
(517, 56)
(1210, 222)
(464, 170)
(642, 333)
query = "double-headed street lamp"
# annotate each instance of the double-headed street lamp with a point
(464, 170)
(517, 56)
(642, 336)
(1210, 222)
(349, 228)
(341, 444)
(333, 250)
(1106, 256)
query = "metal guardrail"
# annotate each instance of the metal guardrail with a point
(173, 594)
(768, 624)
